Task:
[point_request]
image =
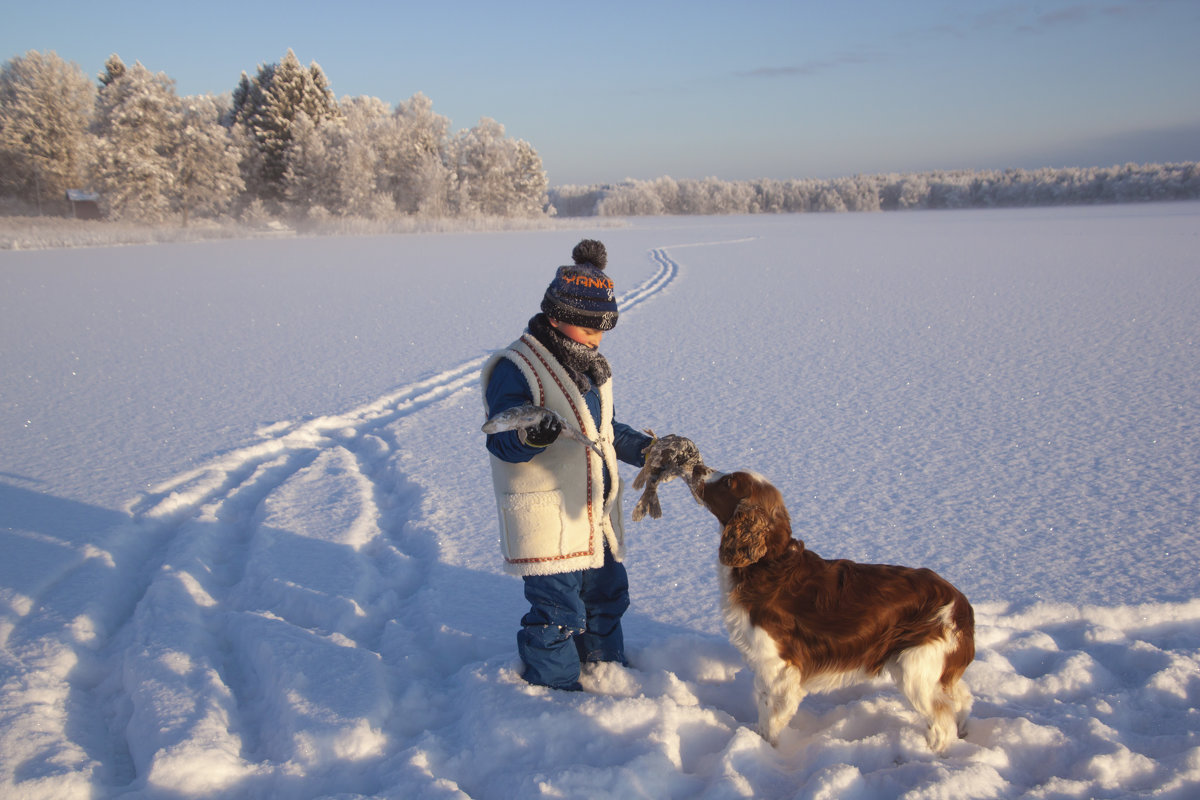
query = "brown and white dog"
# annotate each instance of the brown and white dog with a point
(805, 624)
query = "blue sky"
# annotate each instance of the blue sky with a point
(735, 90)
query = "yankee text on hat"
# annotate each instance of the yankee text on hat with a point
(601, 282)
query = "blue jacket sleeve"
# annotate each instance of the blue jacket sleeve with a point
(630, 443)
(507, 389)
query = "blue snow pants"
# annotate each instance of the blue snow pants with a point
(573, 617)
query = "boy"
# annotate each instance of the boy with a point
(559, 502)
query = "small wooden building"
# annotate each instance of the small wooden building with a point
(84, 204)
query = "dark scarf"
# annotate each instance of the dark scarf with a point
(585, 365)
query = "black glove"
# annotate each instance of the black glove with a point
(544, 433)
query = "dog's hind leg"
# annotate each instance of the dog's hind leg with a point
(962, 705)
(943, 725)
(918, 673)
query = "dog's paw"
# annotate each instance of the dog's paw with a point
(769, 736)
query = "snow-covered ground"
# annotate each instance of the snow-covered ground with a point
(249, 542)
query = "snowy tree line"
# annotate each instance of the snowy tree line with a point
(281, 145)
(947, 189)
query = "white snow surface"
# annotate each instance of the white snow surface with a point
(249, 545)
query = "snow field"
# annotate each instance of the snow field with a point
(313, 606)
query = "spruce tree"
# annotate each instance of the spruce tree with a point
(138, 121)
(267, 107)
(114, 69)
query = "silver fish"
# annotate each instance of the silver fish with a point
(530, 416)
(666, 458)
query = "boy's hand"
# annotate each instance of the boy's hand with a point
(543, 434)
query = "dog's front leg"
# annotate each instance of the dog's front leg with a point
(778, 690)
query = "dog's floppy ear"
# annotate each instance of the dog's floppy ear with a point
(744, 540)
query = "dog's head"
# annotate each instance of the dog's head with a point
(754, 520)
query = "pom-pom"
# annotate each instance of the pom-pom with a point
(590, 251)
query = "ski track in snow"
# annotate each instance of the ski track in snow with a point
(248, 525)
(268, 637)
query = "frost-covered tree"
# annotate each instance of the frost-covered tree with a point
(576, 201)
(479, 166)
(497, 176)
(357, 158)
(138, 122)
(331, 168)
(46, 107)
(205, 160)
(668, 191)
(413, 149)
(354, 142)
(771, 197)
(267, 107)
(114, 69)
(631, 199)
(307, 181)
(528, 180)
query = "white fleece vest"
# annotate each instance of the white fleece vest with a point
(553, 514)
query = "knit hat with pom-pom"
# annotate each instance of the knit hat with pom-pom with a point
(582, 294)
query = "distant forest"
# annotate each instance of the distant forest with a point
(946, 189)
(279, 147)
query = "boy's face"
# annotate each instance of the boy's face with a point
(589, 337)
